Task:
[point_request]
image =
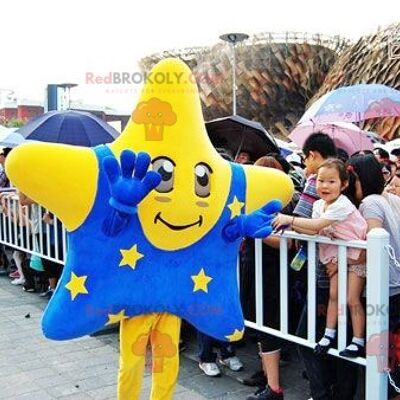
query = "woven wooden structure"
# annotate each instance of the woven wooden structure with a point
(373, 59)
(276, 75)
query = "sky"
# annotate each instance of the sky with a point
(56, 41)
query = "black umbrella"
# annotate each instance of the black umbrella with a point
(238, 134)
(69, 127)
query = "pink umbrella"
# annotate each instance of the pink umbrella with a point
(346, 135)
(355, 103)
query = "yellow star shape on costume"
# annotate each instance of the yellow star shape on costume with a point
(114, 318)
(201, 280)
(236, 335)
(77, 285)
(130, 256)
(235, 207)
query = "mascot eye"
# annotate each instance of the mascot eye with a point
(165, 167)
(202, 180)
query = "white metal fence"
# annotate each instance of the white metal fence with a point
(23, 229)
(377, 294)
(19, 226)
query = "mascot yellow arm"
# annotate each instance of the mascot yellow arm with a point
(59, 177)
(262, 187)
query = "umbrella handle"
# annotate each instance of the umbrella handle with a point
(240, 145)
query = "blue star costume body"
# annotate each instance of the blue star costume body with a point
(159, 281)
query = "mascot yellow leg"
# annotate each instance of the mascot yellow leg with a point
(163, 330)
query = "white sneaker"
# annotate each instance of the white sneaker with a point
(233, 363)
(18, 281)
(210, 369)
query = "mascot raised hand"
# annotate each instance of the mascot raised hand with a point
(154, 223)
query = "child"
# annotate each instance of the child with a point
(335, 216)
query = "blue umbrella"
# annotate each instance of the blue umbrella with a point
(284, 148)
(354, 103)
(69, 127)
(10, 138)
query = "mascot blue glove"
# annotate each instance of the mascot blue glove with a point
(255, 225)
(127, 191)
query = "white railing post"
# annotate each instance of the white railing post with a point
(377, 321)
(311, 291)
(284, 283)
(259, 282)
(342, 297)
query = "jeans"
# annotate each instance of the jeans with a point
(206, 344)
(330, 378)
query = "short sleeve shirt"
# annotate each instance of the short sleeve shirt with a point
(304, 208)
(308, 197)
(339, 210)
(4, 182)
(377, 207)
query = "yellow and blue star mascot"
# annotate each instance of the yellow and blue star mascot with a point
(154, 223)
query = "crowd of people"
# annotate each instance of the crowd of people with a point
(33, 273)
(341, 196)
(338, 195)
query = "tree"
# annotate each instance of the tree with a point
(14, 123)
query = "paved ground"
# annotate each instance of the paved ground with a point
(34, 368)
